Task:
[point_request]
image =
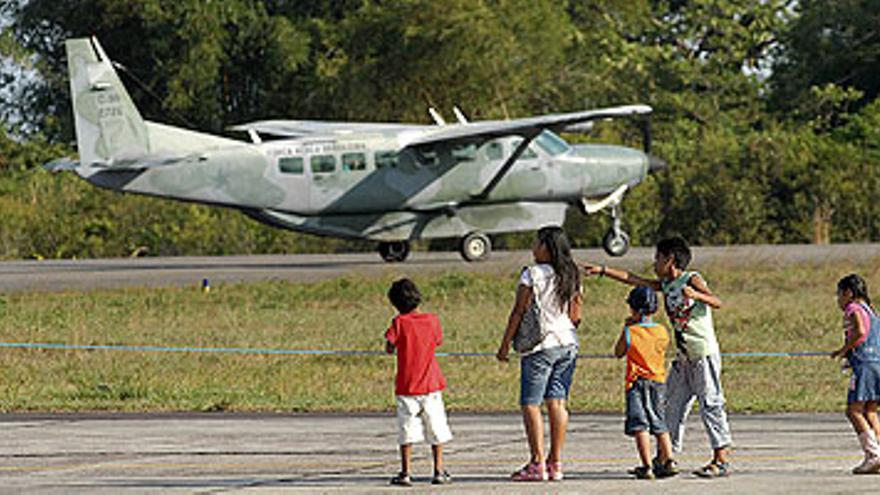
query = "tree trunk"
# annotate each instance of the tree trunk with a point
(822, 224)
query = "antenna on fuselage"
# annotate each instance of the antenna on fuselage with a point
(459, 115)
(438, 119)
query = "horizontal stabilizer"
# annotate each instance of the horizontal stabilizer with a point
(61, 165)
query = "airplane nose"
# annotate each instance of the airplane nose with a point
(656, 164)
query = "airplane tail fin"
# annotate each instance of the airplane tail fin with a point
(109, 128)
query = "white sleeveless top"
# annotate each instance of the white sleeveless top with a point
(560, 329)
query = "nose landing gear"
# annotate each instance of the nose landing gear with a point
(616, 241)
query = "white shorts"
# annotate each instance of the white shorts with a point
(414, 412)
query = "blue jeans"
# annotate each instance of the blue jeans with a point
(546, 374)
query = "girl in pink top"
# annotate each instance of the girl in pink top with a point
(862, 351)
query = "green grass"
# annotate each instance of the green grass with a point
(767, 309)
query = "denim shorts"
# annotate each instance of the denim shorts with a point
(546, 374)
(645, 407)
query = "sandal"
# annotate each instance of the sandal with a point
(441, 478)
(533, 471)
(554, 471)
(402, 479)
(643, 473)
(714, 470)
(665, 469)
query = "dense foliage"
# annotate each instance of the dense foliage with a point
(771, 134)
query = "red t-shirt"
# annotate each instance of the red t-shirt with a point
(416, 335)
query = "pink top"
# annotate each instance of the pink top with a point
(857, 309)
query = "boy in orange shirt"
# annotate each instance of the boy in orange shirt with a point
(644, 343)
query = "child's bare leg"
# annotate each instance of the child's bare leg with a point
(437, 452)
(664, 447)
(405, 457)
(558, 425)
(719, 455)
(871, 416)
(534, 424)
(643, 445)
(855, 412)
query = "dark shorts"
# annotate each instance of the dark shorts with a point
(645, 407)
(546, 374)
(864, 386)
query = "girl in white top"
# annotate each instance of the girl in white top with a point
(546, 370)
(555, 319)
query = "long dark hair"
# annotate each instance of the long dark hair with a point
(856, 285)
(567, 276)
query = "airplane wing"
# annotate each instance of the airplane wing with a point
(489, 129)
(430, 134)
(299, 128)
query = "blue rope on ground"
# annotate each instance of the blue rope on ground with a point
(330, 352)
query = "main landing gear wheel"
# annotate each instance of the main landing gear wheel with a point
(616, 241)
(475, 246)
(394, 252)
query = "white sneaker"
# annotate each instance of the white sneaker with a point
(871, 465)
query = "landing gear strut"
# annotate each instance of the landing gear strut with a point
(475, 246)
(616, 241)
(393, 252)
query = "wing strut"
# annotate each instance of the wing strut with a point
(527, 139)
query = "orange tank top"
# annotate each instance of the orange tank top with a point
(646, 352)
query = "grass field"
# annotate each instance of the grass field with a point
(767, 309)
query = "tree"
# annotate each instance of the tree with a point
(207, 64)
(810, 55)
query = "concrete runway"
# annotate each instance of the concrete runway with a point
(229, 453)
(57, 275)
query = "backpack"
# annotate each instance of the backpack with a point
(531, 331)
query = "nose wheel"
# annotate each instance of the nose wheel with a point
(616, 241)
(475, 246)
(394, 252)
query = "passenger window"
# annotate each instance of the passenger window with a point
(528, 154)
(290, 165)
(354, 161)
(385, 159)
(494, 151)
(429, 158)
(464, 152)
(323, 164)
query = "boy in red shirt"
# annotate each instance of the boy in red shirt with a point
(419, 383)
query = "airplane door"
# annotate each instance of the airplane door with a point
(291, 175)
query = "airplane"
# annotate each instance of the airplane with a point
(392, 183)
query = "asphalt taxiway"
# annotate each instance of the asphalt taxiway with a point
(57, 275)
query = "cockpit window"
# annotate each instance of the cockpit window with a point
(528, 154)
(551, 143)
